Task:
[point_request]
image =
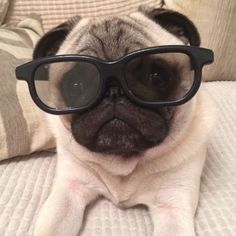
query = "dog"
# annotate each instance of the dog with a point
(133, 155)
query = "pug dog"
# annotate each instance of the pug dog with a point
(118, 149)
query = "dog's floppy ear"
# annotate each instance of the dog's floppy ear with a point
(176, 23)
(49, 44)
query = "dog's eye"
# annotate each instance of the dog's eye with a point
(79, 85)
(151, 73)
(159, 77)
(75, 87)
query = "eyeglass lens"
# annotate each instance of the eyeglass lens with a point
(64, 85)
(162, 77)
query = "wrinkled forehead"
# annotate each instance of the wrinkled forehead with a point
(112, 37)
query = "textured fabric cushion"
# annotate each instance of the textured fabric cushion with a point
(54, 12)
(19, 40)
(22, 124)
(216, 21)
(3, 9)
(25, 184)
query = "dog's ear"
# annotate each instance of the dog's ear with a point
(176, 23)
(49, 44)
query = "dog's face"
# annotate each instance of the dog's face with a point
(116, 125)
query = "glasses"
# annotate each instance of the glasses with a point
(150, 77)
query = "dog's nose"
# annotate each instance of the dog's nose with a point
(114, 93)
(114, 90)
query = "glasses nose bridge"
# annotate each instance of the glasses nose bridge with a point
(113, 85)
(112, 71)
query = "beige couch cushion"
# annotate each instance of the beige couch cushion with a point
(3, 9)
(25, 184)
(54, 12)
(216, 21)
(22, 124)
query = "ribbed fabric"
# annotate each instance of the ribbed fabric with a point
(25, 183)
(3, 9)
(216, 214)
(216, 22)
(23, 127)
(54, 12)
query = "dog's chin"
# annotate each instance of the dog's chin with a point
(116, 137)
(123, 129)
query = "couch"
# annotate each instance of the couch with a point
(27, 147)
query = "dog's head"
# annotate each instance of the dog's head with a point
(116, 125)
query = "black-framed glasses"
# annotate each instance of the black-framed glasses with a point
(151, 77)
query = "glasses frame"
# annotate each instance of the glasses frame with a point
(116, 69)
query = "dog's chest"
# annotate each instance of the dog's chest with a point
(121, 192)
(125, 192)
